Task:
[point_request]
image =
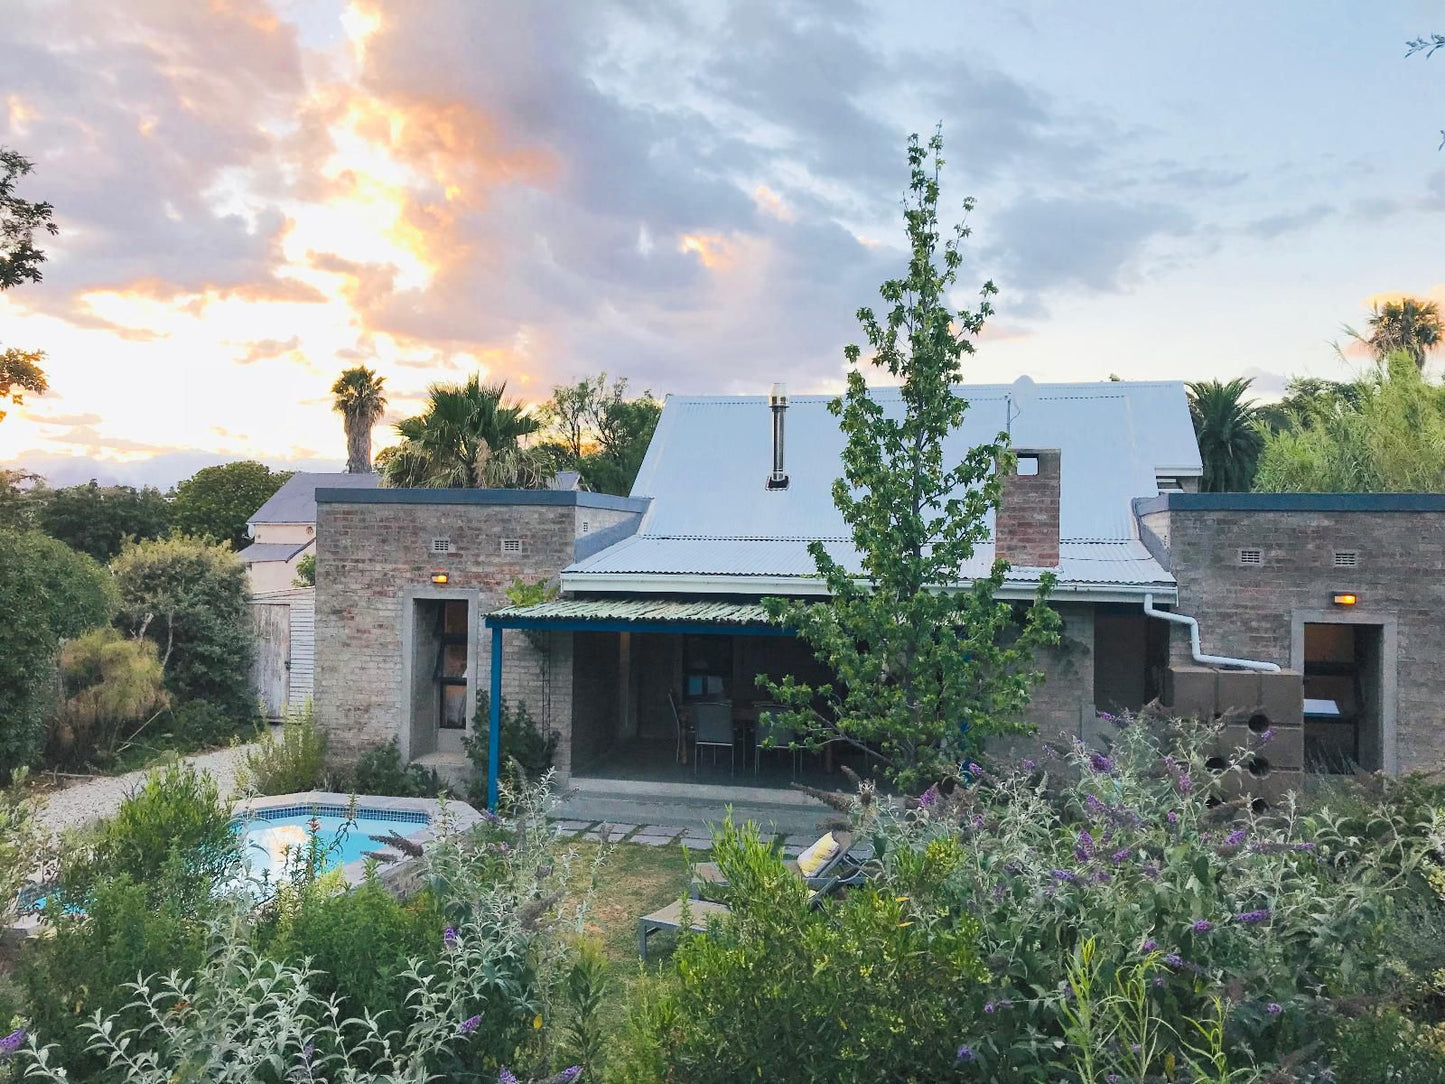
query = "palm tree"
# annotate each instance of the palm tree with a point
(1227, 427)
(1409, 325)
(359, 399)
(468, 437)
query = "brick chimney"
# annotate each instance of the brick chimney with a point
(1026, 524)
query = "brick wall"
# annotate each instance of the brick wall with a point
(377, 557)
(1026, 523)
(1250, 611)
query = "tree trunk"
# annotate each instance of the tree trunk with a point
(358, 445)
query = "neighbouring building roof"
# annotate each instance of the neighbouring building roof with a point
(712, 526)
(259, 552)
(295, 501)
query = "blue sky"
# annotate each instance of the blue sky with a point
(255, 195)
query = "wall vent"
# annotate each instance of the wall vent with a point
(511, 545)
(586, 526)
(1251, 557)
(441, 545)
(1347, 558)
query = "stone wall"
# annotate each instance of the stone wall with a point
(378, 560)
(1254, 608)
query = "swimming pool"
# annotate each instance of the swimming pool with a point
(273, 838)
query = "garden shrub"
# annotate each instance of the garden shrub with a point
(110, 688)
(294, 762)
(20, 845)
(190, 598)
(527, 750)
(862, 988)
(1385, 1045)
(200, 724)
(174, 820)
(48, 593)
(380, 771)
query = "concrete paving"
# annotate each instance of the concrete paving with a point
(776, 812)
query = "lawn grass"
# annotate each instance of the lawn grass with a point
(633, 881)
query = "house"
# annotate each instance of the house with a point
(1313, 620)
(284, 528)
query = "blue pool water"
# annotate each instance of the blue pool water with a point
(270, 840)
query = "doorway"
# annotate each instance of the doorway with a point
(1344, 697)
(442, 653)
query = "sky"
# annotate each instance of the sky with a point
(253, 195)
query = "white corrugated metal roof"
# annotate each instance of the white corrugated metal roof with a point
(711, 515)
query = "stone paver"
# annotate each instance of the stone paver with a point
(568, 829)
(667, 831)
(696, 844)
(792, 850)
(653, 841)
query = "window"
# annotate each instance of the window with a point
(441, 545)
(1028, 465)
(451, 665)
(707, 666)
(511, 545)
(1251, 557)
(1347, 558)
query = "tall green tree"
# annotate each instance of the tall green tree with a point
(594, 427)
(359, 397)
(1409, 325)
(469, 436)
(95, 519)
(48, 593)
(189, 597)
(1228, 428)
(926, 663)
(1388, 437)
(217, 502)
(20, 261)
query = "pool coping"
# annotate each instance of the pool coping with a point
(400, 875)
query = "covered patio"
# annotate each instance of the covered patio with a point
(665, 690)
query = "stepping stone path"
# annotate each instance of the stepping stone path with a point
(568, 829)
(614, 832)
(656, 835)
(662, 835)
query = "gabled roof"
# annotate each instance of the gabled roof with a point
(713, 526)
(295, 501)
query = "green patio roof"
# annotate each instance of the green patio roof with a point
(623, 611)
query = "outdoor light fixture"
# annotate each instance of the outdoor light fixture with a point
(1343, 598)
(442, 577)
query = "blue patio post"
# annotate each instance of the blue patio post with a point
(494, 721)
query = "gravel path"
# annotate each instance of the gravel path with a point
(79, 805)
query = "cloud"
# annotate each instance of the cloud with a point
(163, 470)
(1276, 225)
(266, 349)
(65, 419)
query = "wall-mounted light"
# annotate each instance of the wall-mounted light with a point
(442, 577)
(1343, 598)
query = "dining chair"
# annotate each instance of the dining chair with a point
(712, 725)
(772, 733)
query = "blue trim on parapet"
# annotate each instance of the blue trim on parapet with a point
(692, 627)
(555, 498)
(1293, 502)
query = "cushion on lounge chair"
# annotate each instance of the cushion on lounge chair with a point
(813, 859)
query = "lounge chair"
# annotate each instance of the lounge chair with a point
(817, 866)
(700, 912)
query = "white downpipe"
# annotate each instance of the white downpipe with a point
(1199, 656)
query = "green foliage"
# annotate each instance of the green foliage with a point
(468, 436)
(1409, 326)
(926, 663)
(1385, 1045)
(294, 762)
(48, 593)
(17, 510)
(20, 372)
(216, 502)
(360, 944)
(305, 572)
(20, 260)
(863, 988)
(1389, 437)
(1228, 429)
(585, 991)
(20, 845)
(110, 688)
(199, 724)
(359, 396)
(380, 771)
(173, 820)
(96, 520)
(596, 429)
(522, 592)
(527, 751)
(189, 597)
